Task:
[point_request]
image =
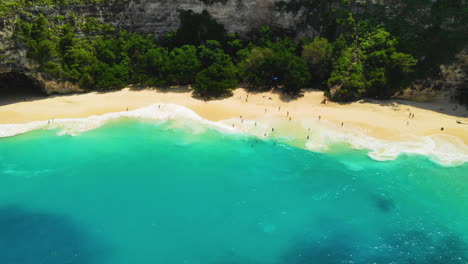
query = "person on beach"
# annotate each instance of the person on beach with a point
(308, 137)
(341, 124)
(289, 119)
(279, 108)
(272, 129)
(320, 117)
(255, 123)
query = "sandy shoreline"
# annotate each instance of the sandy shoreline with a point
(380, 119)
(381, 126)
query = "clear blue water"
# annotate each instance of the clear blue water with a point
(140, 192)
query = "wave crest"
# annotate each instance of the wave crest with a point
(443, 149)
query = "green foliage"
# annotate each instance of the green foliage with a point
(348, 75)
(253, 69)
(369, 65)
(318, 55)
(233, 45)
(79, 61)
(265, 36)
(275, 65)
(423, 27)
(154, 66)
(10, 8)
(217, 79)
(184, 65)
(67, 39)
(363, 61)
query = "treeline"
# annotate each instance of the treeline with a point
(10, 7)
(363, 61)
(434, 32)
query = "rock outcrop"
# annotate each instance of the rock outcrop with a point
(158, 17)
(13, 61)
(161, 16)
(155, 17)
(452, 82)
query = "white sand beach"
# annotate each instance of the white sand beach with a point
(389, 121)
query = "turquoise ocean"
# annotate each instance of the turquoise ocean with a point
(135, 191)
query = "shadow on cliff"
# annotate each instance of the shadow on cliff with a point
(15, 87)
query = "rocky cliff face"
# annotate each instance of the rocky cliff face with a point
(451, 82)
(158, 17)
(155, 17)
(241, 16)
(15, 64)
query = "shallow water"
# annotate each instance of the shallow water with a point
(146, 192)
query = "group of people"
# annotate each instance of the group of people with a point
(273, 129)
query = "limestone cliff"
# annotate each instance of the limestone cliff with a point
(155, 17)
(241, 16)
(158, 17)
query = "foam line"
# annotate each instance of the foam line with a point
(443, 149)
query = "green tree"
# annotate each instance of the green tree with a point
(184, 65)
(368, 64)
(155, 65)
(318, 55)
(265, 36)
(218, 79)
(40, 29)
(67, 39)
(77, 61)
(254, 69)
(210, 53)
(111, 76)
(45, 50)
(275, 65)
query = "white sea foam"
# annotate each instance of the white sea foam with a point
(74, 126)
(443, 149)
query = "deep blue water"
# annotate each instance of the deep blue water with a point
(142, 192)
